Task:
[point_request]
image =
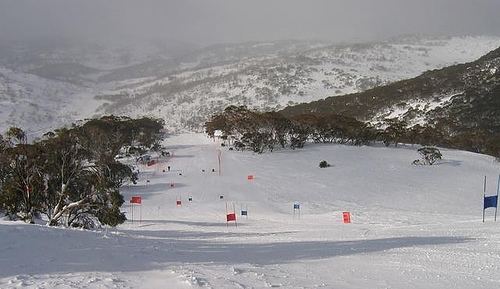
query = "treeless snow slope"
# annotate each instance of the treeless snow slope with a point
(38, 105)
(412, 226)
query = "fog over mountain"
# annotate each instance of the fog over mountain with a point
(216, 21)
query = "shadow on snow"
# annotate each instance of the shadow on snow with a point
(63, 251)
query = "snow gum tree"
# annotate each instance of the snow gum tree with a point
(21, 176)
(394, 132)
(264, 131)
(71, 175)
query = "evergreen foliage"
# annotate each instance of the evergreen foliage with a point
(260, 132)
(71, 175)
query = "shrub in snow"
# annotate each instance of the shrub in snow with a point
(85, 221)
(323, 164)
(429, 156)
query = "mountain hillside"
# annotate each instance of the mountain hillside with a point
(38, 104)
(273, 81)
(464, 96)
(50, 84)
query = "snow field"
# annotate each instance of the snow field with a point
(412, 226)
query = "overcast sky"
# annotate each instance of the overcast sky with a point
(214, 21)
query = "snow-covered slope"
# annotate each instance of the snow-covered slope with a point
(185, 86)
(273, 81)
(457, 99)
(50, 83)
(38, 104)
(412, 226)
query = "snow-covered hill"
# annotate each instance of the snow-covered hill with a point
(38, 104)
(185, 86)
(457, 99)
(412, 226)
(272, 81)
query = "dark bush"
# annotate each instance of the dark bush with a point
(429, 156)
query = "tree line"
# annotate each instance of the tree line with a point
(71, 175)
(265, 131)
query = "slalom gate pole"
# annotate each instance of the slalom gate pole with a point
(484, 195)
(498, 188)
(227, 223)
(235, 222)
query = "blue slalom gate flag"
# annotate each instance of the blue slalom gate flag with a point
(296, 206)
(244, 213)
(490, 202)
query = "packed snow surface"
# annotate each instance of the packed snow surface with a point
(412, 226)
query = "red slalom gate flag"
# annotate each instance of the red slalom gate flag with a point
(178, 203)
(231, 217)
(250, 177)
(347, 217)
(136, 200)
